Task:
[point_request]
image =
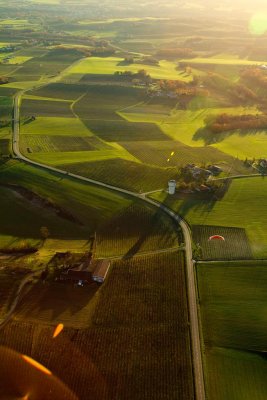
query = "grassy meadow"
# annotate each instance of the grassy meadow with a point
(243, 206)
(232, 305)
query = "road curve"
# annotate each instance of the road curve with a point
(190, 275)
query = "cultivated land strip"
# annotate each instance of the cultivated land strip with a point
(191, 284)
(28, 279)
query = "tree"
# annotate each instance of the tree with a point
(44, 231)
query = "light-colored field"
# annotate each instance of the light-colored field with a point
(18, 60)
(22, 84)
(31, 97)
(111, 20)
(251, 144)
(223, 60)
(243, 206)
(100, 65)
(182, 125)
(81, 156)
(55, 126)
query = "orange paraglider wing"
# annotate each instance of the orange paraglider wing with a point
(219, 237)
(58, 329)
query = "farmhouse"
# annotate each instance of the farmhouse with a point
(87, 271)
(101, 268)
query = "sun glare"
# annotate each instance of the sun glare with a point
(258, 23)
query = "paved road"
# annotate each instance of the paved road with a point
(191, 284)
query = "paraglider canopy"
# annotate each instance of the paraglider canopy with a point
(219, 237)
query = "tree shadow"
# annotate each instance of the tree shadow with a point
(210, 137)
(144, 235)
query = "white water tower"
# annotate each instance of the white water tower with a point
(171, 186)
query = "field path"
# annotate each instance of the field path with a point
(190, 275)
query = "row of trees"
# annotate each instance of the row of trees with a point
(225, 122)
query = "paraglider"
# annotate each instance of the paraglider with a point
(218, 237)
(57, 331)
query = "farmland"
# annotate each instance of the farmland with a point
(233, 210)
(120, 95)
(134, 230)
(235, 245)
(233, 299)
(119, 354)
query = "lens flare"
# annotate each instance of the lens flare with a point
(258, 23)
(37, 365)
(58, 329)
(172, 153)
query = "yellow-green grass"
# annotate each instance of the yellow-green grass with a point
(18, 59)
(246, 144)
(45, 1)
(100, 65)
(111, 20)
(182, 125)
(233, 313)
(70, 157)
(121, 353)
(242, 206)
(55, 126)
(124, 173)
(14, 22)
(87, 203)
(23, 84)
(32, 97)
(223, 61)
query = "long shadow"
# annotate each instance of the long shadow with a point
(51, 300)
(144, 235)
(210, 137)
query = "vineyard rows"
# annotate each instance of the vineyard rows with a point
(137, 344)
(235, 247)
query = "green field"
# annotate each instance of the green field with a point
(55, 126)
(232, 300)
(99, 65)
(120, 337)
(235, 245)
(243, 206)
(88, 204)
(124, 173)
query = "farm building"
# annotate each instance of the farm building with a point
(87, 271)
(78, 272)
(101, 268)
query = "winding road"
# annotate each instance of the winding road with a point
(190, 273)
